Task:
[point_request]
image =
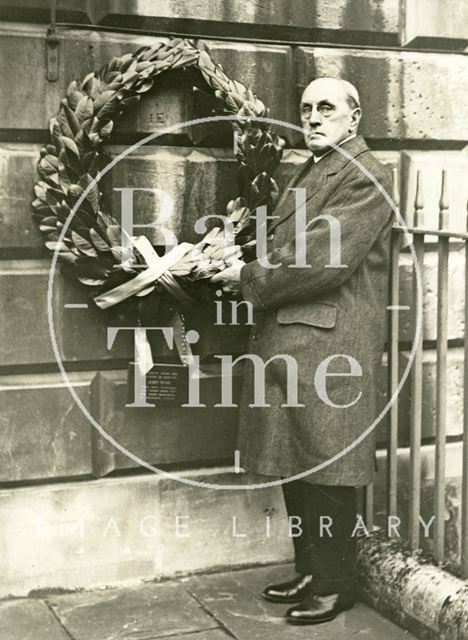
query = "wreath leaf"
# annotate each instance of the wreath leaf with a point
(92, 245)
(84, 108)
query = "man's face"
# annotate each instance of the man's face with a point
(326, 115)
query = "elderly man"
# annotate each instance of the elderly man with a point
(329, 314)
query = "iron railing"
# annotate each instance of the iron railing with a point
(418, 234)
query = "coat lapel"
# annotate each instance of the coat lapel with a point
(314, 174)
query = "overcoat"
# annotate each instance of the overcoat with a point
(319, 312)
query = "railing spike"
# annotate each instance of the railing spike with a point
(396, 187)
(418, 201)
(443, 202)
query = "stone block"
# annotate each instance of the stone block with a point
(357, 21)
(80, 52)
(43, 432)
(430, 82)
(456, 284)
(452, 516)
(23, 314)
(39, 11)
(431, 164)
(454, 394)
(160, 435)
(390, 159)
(265, 69)
(85, 534)
(199, 183)
(81, 334)
(454, 397)
(435, 24)
(17, 177)
(339, 21)
(403, 95)
(210, 174)
(376, 75)
(30, 620)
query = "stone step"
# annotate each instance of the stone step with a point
(115, 530)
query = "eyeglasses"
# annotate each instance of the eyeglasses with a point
(325, 110)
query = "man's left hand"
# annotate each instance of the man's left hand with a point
(229, 278)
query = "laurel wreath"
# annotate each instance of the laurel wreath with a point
(68, 166)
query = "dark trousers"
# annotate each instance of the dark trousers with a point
(331, 560)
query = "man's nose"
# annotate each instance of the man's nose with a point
(315, 118)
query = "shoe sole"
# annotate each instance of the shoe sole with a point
(297, 621)
(279, 600)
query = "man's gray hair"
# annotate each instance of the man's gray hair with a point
(351, 93)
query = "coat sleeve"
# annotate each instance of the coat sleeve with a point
(362, 213)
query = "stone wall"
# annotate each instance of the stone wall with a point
(406, 58)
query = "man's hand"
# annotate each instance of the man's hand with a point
(229, 279)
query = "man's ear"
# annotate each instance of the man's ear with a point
(355, 119)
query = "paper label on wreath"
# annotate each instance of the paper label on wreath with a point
(166, 385)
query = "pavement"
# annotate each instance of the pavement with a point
(219, 606)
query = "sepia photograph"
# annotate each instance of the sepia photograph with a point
(233, 300)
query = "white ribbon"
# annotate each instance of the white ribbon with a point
(156, 268)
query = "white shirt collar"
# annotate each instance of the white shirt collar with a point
(318, 158)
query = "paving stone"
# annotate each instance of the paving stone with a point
(211, 634)
(152, 611)
(43, 433)
(434, 23)
(29, 620)
(234, 600)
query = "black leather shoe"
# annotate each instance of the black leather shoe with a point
(288, 592)
(317, 609)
